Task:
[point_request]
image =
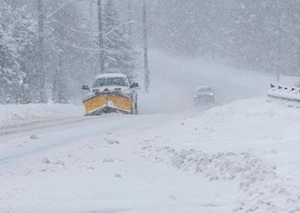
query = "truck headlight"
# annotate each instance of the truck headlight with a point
(96, 91)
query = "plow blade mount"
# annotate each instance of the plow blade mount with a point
(108, 103)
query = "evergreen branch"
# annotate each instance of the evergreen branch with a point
(114, 29)
(58, 9)
(77, 47)
(112, 58)
(136, 38)
(109, 40)
(75, 30)
(95, 32)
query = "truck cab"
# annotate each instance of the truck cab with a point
(117, 87)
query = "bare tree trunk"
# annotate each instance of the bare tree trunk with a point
(54, 87)
(25, 90)
(55, 91)
(129, 18)
(91, 9)
(101, 34)
(278, 42)
(145, 34)
(212, 50)
(60, 93)
(41, 61)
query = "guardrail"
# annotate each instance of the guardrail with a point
(289, 93)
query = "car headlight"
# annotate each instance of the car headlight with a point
(211, 94)
(195, 96)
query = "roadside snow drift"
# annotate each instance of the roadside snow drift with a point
(242, 157)
(20, 114)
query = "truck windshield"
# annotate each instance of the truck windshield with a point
(206, 89)
(115, 81)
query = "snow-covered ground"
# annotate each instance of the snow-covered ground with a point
(22, 114)
(240, 157)
(235, 157)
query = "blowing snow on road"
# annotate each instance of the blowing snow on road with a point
(236, 156)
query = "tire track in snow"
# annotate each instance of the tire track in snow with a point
(89, 131)
(17, 129)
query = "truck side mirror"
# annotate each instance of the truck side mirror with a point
(133, 85)
(85, 87)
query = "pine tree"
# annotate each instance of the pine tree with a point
(16, 38)
(64, 62)
(120, 56)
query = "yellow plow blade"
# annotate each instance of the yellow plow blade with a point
(95, 103)
(107, 103)
(121, 102)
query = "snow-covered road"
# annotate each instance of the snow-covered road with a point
(59, 132)
(27, 147)
(236, 158)
(90, 166)
(240, 157)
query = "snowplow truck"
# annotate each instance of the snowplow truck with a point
(111, 93)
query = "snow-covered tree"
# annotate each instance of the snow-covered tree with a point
(119, 53)
(68, 58)
(17, 34)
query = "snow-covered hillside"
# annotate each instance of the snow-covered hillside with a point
(236, 158)
(174, 79)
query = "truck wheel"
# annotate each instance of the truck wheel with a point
(135, 109)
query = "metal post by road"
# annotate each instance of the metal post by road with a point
(278, 42)
(129, 18)
(146, 69)
(41, 47)
(101, 40)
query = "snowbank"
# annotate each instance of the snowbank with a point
(251, 141)
(241, 157)
(18, 114)
(261, 187)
